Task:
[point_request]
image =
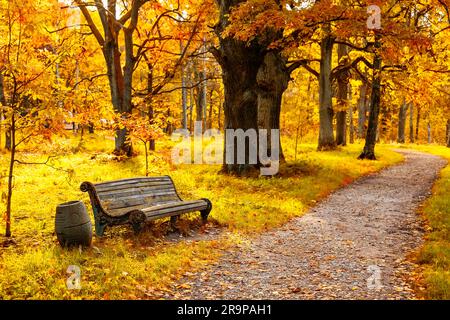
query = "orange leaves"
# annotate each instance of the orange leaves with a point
(252, 18)
(139, 128)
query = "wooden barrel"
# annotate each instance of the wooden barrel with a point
(72, 224)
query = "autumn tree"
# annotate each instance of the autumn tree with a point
(287, 28)
(255, 71)
(27, 63)
(120, 74)
(401, 27)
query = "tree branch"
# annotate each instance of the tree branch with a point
(90, 22)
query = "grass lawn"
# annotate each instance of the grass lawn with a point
(122, 265)
(435, 254)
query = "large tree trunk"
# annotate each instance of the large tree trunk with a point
(272, 80)
(326, 135)
(371, 136)
(402, 123)
(240, 63)
(240, 106)
(342, 97)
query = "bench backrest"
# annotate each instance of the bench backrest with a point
(120, 196)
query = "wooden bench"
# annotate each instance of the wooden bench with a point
(138, 200)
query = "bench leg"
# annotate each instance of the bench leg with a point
(100, 222)
(173, 222)
(100, 228)
(137, 221)
(137, 228)
(205, 213)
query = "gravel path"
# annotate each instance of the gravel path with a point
(350, 246)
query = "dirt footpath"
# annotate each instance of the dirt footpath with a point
(350, 246)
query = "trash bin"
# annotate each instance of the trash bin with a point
(72, 224)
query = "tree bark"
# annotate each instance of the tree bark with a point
(350, 117)
(11, 175)
(3, 104)
(272, 80)
(204, 85)
(117, 89)
(411, 122)
(402, 123)
(362, 110)
(184, 119)
(201, 100)
(342, 97)
(149, 100)
(371, 136)
(169, 127)
(191, 99)
(341, 128)
(430, 138)
(417, 124)
(326, 134)
(219, 115)
(211, 109)
(448, 133)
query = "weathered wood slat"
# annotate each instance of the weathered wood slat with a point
(174, 211)
(149, 200)
(136, 201)
(118, 204)
(161, 214)
(144, 192)
(167, 213)
(175, 205)
(119, 212)
(149, 196)
(132, 180)
(124, 211)
(108, 188)
(118, 190)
